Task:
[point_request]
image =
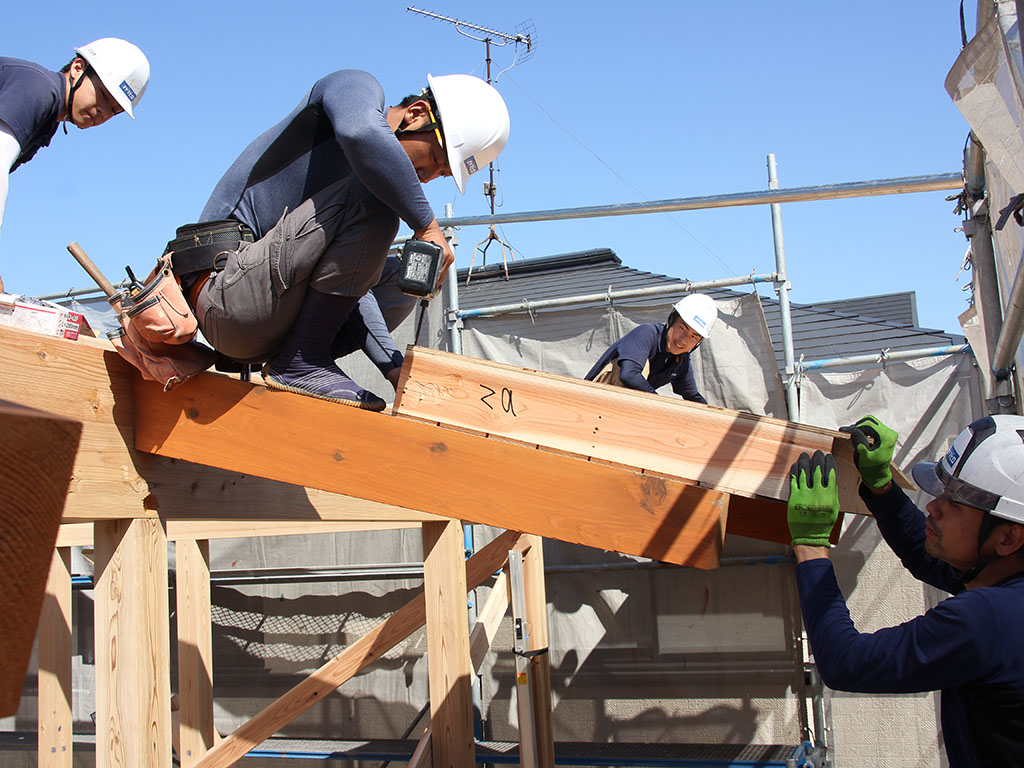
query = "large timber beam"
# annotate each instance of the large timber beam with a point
(732, 451)
(86, 380)
(409, 463)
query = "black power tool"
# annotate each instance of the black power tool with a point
(421, 268)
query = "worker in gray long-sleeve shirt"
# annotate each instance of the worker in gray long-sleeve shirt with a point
(310, 209)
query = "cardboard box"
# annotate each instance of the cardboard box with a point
(40, 316)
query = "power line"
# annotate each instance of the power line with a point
(619, 176)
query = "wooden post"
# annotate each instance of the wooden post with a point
(195, 651)
(540, 665)
(133, 690)
(448, 662)
(54, 745)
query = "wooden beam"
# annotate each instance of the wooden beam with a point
(448, 662)
(363, 652)
(37, 453)
(195, 651)
(449, 472)
(111, 479)
(133, 691)
(765, 519)
(54, 746)
(731, 451)
(80, 534)
(74, 535)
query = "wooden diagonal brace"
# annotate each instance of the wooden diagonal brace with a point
(351, 661)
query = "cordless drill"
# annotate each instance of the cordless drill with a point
(421, 268)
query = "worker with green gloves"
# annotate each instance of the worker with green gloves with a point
(971, 544)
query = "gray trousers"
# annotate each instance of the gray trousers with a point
(336, 242)
(379, 312)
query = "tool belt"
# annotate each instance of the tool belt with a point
(205, 246)
(156, 309)
(158, 325)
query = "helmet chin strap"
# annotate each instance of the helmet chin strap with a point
(71, 98)
(988, 524)
(432, 125)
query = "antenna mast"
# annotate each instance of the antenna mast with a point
(523, 37)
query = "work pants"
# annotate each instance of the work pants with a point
(336, 242)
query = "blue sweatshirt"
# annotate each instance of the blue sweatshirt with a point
(970, 646)
(338, 129)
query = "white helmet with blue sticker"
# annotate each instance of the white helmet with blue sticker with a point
(121, 67)
(474, 122)
(698, 311)
(984, 468)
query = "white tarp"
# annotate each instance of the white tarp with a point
(987, 85)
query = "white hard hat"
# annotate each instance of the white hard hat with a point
(122, 68)
(984, 468)
(474, 121)
(698, 311)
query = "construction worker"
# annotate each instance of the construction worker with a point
(319, 196)
(971, 544)
(105, 77)
(655, 354)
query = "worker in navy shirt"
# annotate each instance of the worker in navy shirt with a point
(655, 354)
(104, 78)
(322, 193)
(971, 544)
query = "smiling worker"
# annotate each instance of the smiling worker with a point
(295, 236)
(971, 544)
(655, 354)
(105, 78)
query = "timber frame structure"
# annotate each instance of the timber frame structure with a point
(482, 442)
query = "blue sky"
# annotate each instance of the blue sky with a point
(619, 103)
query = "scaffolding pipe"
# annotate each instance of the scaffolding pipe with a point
(885, 356)
(903, 185)
(934, 183)
(1012, 330)
(685, 286)
(987, 298)
(782, 290)
(451, 287)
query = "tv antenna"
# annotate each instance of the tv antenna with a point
(525, 46)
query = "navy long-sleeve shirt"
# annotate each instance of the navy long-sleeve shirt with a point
(970, 646)
(646, 344)
(339, 129)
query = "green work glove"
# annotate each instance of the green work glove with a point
(813, 499)
(873, 444)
